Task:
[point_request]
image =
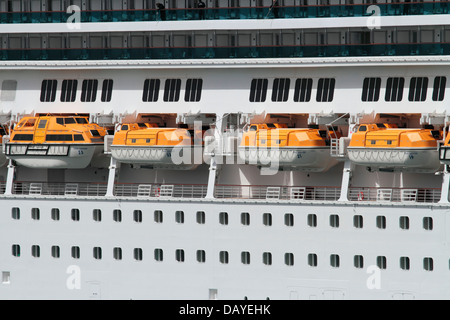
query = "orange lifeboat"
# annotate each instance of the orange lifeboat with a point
(290, 148)
(59, 142)
(379, 147)
(151, 146)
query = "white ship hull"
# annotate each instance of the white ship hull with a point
(140, 273)
(52, 155)
(306, 159)
(424, 160)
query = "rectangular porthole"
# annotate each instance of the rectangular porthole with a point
(6, 277)
(312, 220)
(258, 90)
(137, 216)
(201, 217)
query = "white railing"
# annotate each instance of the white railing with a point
(431, 195)
(277, 192)
(158, 190)
(59, 189)
(270, 193)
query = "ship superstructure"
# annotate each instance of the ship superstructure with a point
(242, 151)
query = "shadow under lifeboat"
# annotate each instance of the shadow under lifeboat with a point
(56, 142)
(383, 147)
(290, 148)
(3, 132)
(150, 146)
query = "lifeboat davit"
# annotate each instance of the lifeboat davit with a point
(444, 151)
(267, 145)
(55, 142)
(147, 145)
(379, 147)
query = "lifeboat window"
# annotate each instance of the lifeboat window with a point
(142, 125)
(253, 128)
(362, 128)
(23, 137)
(42, 124)
(124, 127)
(147, 140)
(381, 125)
(81, 120)
(59, 137)
(78, 137)
(271, 125)
(60, 121)
(373, 142)
(69, 121)
(389, 142)
(133, 140)
(95, 133)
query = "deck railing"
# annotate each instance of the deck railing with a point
(380, 194)
(244, 192)
(158, 190)
(245, 52)
(277, 192)
(222, 13)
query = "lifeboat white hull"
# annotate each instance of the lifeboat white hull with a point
(179, 157)
(305, 159)
(52, 156)
(405, 159)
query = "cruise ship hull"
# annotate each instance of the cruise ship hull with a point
(310, 259)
